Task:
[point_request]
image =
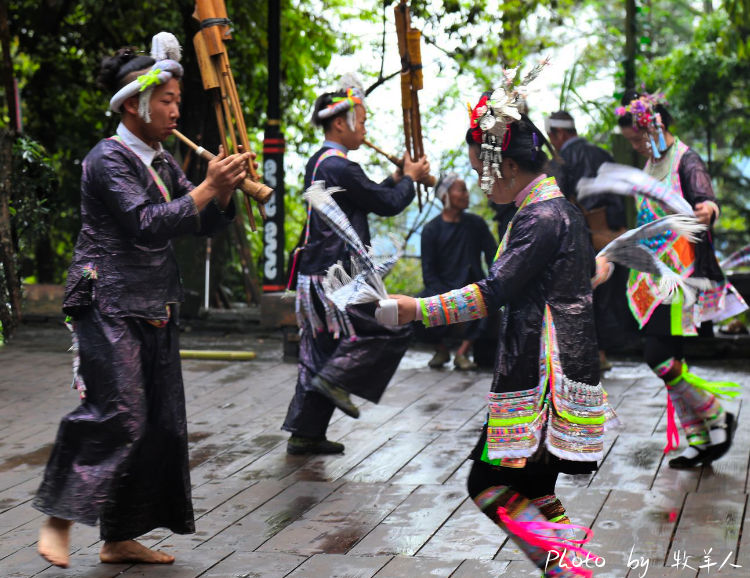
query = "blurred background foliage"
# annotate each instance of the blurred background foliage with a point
(697, 52)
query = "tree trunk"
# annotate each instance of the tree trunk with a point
(9, 317)
(630, 43)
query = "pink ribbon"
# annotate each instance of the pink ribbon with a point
(525, 531)
(673, 434)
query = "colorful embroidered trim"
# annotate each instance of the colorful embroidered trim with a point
(574, 413)
(459, 305)
(354, 96)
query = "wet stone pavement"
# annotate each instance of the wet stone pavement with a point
(394, 504)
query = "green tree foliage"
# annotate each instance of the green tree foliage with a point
(57, 48)
(707, 89)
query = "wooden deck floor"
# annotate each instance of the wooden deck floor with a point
(394, 505)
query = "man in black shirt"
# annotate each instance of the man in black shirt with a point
(452, 248)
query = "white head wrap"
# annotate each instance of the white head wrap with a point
(355, 94)
(550, 123)
(444, 186)
(165, 49)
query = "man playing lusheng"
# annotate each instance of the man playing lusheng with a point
(121, 457)
(342, 353)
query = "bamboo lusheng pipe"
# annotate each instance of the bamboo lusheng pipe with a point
(217, 77)
(258, 191)
(217, 355)
(428, 181)
(411, 82)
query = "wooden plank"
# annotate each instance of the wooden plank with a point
(340, 566)
(630, 465)
(188, 564)
(635, 525)
(342, 520)
(18, 494)
(239, 505)
(85, 564)
(253, 529)
(481, 569)
(467, 533)
(278, 464)
(401, 566)
(251, 564)
(438, 461)
(22, 563)
(383, 463)
(709, 523)
(413, 522)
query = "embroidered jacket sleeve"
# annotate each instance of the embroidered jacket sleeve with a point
(135, 202)
(531, 247)
(695, 183)
(694, 179)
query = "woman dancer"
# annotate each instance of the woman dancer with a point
(547, 409)
(644, 121)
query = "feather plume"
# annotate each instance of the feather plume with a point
(365, 284)
(629, 181)
(165, 45)
(350, 80)
(628, 250)
(680, 224)
(737, 259)
(321, 200)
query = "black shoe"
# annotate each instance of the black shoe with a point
(298, 446)
(337, 395)
(704, 457)
(720, 449)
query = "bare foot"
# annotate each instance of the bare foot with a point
(54, 541)
(130, 551)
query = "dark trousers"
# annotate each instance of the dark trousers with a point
(530, 485)
(362, 366)
(121, 456)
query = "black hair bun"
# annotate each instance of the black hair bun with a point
(114, 68)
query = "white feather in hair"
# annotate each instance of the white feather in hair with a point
(165, 46)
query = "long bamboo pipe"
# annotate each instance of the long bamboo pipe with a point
(258, 191)
(428, 181)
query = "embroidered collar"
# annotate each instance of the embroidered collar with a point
(527, 189)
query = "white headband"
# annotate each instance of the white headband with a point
(550, 123)
(444, 185)
(165, 49)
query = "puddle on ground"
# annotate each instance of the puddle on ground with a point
(38, 457)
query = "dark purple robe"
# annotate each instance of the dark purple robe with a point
(121, 457)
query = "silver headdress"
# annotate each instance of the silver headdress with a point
(490, 120)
